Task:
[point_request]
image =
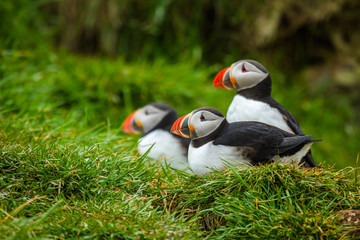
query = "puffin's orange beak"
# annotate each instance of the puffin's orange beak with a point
(223, 80)
(130, 125)
(180, 127)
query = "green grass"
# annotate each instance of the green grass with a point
(89, 183)
(66, 170)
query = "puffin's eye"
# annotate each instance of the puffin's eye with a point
(243, 68)
(146, 112)
(202, 118)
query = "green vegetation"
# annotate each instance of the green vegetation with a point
(102, 91)
(65, 182)
(68, 172)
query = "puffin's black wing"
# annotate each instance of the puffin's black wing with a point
(288, 117)
(291, 145)
(260, 140)
(307, 160)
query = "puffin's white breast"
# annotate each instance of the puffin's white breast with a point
(165, 148)
(243, 109)
(209, 156)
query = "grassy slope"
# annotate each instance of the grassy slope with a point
(66, 171)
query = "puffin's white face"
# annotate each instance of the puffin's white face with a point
(246, 75)
(203, 122)
(199, 123)
(144, 119)
(241, 75)
(148, 117)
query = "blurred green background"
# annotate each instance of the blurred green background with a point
(95, 61)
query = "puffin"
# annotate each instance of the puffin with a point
(217, 144)
(253, 100)
(154, 122)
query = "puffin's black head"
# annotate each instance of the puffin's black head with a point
(243, 74)
(156, 115)
(199, 123)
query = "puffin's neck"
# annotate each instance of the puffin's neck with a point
(198, 142)
(260, 91)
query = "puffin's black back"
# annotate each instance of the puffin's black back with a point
(261, 141)
(262, 92)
